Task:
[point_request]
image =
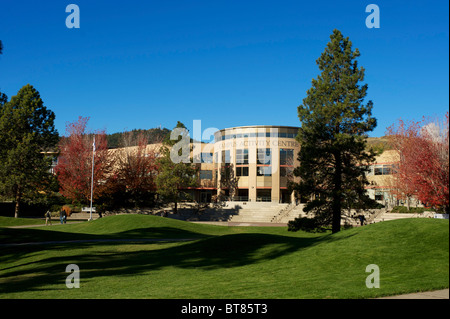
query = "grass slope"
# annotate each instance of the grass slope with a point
(226, 262)
(10, 221)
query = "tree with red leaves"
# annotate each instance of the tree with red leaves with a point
(423, 170)
(74, 166)
(135, 168)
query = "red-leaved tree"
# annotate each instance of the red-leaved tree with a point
(74, 168)
(423, 170)
(135, 167)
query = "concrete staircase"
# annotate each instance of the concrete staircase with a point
(240, 212)
(259, 212)
(296, 212)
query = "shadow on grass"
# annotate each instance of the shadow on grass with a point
(30, 235)
(99, 259)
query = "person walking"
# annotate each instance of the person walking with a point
(61, 215)
(362, 219)
(48, 218)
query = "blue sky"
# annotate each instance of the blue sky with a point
(142, 64)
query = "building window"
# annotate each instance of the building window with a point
(207, 157)
(264, 171)
(286, 157)
(264, 156)
(286, 171)
(242, 171)
(226, 157)
(242, 156)
(384, 169)
(220, 137)
(369, 169)
(207, 174)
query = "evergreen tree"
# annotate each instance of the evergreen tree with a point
(3, 97)
(174, 178)
(334, 123)
(27, 132)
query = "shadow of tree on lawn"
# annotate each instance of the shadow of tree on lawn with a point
(208, 254)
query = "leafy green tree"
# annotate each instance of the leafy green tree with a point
(334, 123)
(28, 138)
(174, 178)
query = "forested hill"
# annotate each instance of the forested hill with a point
(155, 135)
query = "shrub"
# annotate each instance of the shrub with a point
(412, 210)
(305, 224)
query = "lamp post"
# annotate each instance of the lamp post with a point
(92, 178)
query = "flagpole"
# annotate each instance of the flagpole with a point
(92, 177)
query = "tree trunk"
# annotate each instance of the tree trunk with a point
(336, 222)
(175, 209)
(17, 206)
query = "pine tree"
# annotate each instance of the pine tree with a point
(334, 123)
(27, 133)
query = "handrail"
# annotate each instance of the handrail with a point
(284, 212)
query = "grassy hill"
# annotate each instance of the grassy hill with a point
(224, 262)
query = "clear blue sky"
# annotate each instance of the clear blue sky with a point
(141, 64)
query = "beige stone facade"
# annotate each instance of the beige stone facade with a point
(254, 163)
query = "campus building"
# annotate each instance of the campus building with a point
(249, 163)
(255, 163)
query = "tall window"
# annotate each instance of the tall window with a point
(226, 157)
(286, 162)
(241, 156)
(264, 156)
(242, 162)
(286, 157)
(264, 160)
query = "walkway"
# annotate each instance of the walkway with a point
(136, 240)
(437, 294)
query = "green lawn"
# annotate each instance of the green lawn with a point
(223, 262)
(8, 221)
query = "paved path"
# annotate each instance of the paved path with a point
(437, 294)
(136, 240)
(42, 225)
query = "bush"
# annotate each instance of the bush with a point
(412, 210)
(306, 224)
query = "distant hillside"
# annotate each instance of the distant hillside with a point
(379, 143)
(155, 135)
